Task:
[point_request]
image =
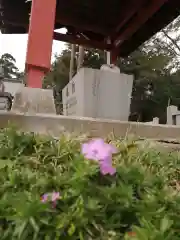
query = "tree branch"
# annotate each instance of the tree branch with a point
(171, 39)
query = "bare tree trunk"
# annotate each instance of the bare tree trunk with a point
(71, 70)
(80, 57)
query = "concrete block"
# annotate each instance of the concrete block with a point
(171, 111)
(33, 101)
(55, 125)
(95, 93)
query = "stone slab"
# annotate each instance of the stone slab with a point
(57, 124)
(33, 101)
(98, 94)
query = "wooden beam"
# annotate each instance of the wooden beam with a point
(67, 23)
(16, 24)
(81, 41)
(80, 25)
(128, 13)
(142, 16)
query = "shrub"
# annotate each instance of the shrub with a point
(141, 201)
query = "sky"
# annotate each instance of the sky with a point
(16, 45)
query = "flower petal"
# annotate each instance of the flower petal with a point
(107, 169)
(44, 197)
(97, 149)
(85, 148)
(91, 156)
(55, 196)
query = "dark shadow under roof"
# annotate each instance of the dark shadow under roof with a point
(127, 23)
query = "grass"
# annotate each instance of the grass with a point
(141, 201)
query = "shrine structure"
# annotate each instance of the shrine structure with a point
(117, 26)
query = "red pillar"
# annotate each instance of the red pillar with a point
(41, 28)
(114, 56)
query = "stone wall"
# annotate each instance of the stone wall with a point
(173, 115)
(98, 94)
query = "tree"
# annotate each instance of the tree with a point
(145, 66)
(154, 66)
(158, 85)
(58, 77)
(8, 66)
(168, 40)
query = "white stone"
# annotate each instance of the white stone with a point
(12, 86)
(3, 103)
(98, 94)
(33, 101)
(171, 112)
(110, 67)
(154, 121)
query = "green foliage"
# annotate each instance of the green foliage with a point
(8, 65)
(153, 65)
(58, 77)
(149, 68)
(140, 202)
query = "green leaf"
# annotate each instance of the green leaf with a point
(165, 224)
(34, 224)
(141, 233)
(19, 230)
(71, 229)
(5, 163)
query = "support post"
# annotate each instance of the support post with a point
(113, 56)
(80, 57)
(108, 54)
(71, 70)
(41, 28)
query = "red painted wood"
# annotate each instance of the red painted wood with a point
(81, 41)
(142, 16)
(81, 26)
(128, 13)
(114, 56)
(35, 77)
(40, 39)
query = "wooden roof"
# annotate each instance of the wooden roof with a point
(124, 24)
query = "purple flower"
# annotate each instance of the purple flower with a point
(52, 197)
(44, 198)
(100, 151)
(97, 150)
(106, 167)
(55, 196)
